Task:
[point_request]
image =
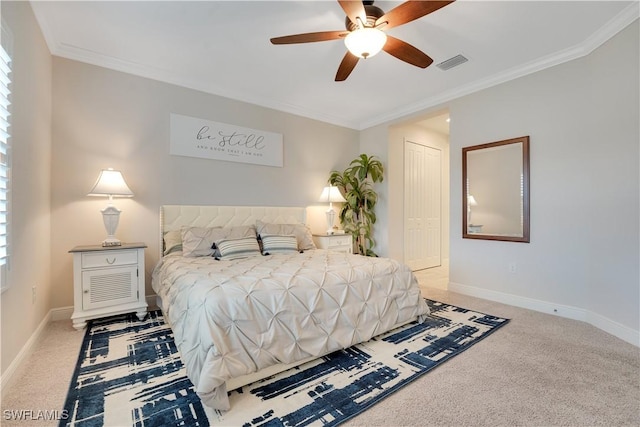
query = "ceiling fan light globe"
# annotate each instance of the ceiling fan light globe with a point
(365, 42)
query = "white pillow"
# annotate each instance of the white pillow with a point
(172, 241)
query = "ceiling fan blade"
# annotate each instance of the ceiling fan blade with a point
(409, 11)
(346, 66)
(354, 10)
(407, 53)
(310, 37)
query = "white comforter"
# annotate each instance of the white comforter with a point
(232, 318)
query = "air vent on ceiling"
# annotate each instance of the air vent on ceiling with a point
(452, 62)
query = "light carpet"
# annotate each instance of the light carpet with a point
(130, 373)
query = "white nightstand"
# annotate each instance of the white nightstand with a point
(107, 281)
(335, 242)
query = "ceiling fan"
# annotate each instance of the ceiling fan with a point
(365, 36)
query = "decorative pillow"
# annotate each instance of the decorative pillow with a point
(172, 241)
(237, 248)
(278, 244)
(199, 241)
(301, 231)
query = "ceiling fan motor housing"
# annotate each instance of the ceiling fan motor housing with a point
(373, 13)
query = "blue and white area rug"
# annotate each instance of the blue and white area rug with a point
(129, 373)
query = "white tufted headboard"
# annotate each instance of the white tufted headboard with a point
(173, 217)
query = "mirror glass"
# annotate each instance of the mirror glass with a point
(495, 179)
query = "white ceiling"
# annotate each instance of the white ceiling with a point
(222, 47)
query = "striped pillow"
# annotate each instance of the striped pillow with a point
(237, 248)
(200, 241)
(301, 231)
(278, 244)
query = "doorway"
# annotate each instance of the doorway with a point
(430, 131)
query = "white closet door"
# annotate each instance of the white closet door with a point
(422, 206)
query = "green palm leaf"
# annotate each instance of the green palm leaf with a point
(357, 214)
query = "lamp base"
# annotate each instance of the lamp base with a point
(108, 242)
(331, 216)
(111, 217)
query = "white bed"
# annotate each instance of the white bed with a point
(236, 321)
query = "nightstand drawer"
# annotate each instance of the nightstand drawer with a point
(338, 241)
(109, 258)
(334, 242)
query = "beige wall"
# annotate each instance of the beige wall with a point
(583, 120)
(582, 117)
(104, 118)
(30, 230)
(374, 142)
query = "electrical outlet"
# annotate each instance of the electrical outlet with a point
(33, 295)
(513, 267)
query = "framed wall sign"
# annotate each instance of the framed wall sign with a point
(193, 137)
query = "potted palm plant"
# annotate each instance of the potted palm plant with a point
(357, 214)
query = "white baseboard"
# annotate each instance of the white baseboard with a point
(8, 375)
(62, 313)
(614, 328)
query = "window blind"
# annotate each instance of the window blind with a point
(5, 154)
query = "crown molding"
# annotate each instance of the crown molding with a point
(606, 32)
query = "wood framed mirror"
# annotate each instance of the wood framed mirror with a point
(495, 191)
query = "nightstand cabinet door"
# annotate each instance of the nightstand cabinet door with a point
(109, 286)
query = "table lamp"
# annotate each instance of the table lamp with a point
(111, 183)
(331, 194)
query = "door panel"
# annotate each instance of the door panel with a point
(422, 206)
(414, 233)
